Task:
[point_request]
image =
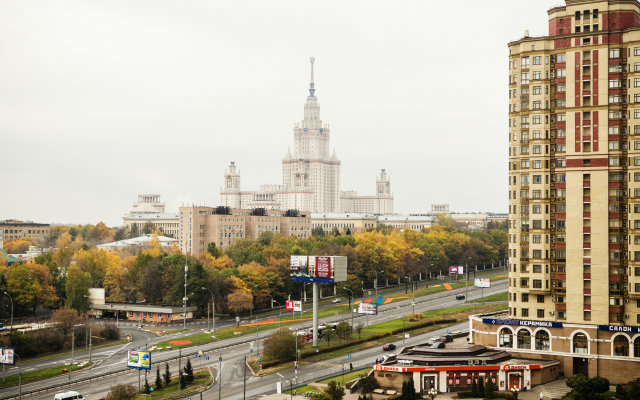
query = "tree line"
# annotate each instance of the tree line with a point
(246, 275)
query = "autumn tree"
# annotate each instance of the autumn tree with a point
(96, 262)
(18, 245)
(77, 288)
(239, 301)
(64, 319)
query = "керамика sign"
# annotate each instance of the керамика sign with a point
(520, 322)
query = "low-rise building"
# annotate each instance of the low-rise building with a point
(352, 222)
(14, 229)
(140, 241)
(456, 369)
(201, 225)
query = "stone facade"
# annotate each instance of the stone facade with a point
(14, 229)
(150, 210)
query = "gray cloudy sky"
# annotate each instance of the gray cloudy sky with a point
(102, 100)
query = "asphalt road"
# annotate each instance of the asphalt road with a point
(110, 360)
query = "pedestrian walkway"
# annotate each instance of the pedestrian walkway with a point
(552, 391)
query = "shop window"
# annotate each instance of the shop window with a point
(636, 347)
(524, 339)
(542, 340)
(621, 346)
(505, 338)
(580, 343)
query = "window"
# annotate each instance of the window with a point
(524, 337)
(636, 344)
(537, 105)
(614, 83)
(538, 89)
(561, 88)
(542, 338)
(524, 78)
(614, 145)
(621, 346)
(636, 51)
(524, 62)
(561, 73)
(525, 297)
(614, 53)
(580, 343)
(540, 313)
(536, 119)
(505, 338)
(537, 60)
(561, 117)
(537, 284)
(615, 98)
(561, 58)
(614, 130)
(536, 75)
(540, 298)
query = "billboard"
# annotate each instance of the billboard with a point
(139, 359)
(318, 268)
(368, 309)
(293, 305)
(7, 356)
(482, 283)
(456, 270)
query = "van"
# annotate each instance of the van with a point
(71, 395)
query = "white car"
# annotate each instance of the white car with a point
(387, 356)
(337, 300)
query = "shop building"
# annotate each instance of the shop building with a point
(455, 369)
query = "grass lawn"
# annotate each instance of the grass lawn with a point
(304, 389)
(503, 296)
(348, 376)
(40, 374)
(78, 350)
(201, 378)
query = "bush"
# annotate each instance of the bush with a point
(489, 389)
(108, 332)
(121, 392)
(281, 345)
(369, 383)
(587, 388)
(335, 391)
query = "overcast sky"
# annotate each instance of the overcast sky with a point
(102, 100)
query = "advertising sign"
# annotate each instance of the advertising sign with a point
(456, 270)
(293, 305)
(323, 267)
(520, 322)
(7, 356)
(318, 268)
(368, 309)
(139, 359)
(616, 328)
(482, 283)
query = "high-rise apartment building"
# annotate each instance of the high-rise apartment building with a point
(574, 192)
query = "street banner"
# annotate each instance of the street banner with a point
(139, 359)
(329, 269)
(368, 309)
(7, 356)
(482, 283)
(323, 267)
(293, 305)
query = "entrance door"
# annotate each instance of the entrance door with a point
(514, 381)
(428, 382)
(580, 366)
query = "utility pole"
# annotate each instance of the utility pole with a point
(244, 379)
(466, 282)
(73, 342)
(179, 369)
(220, 374)
(90, 345)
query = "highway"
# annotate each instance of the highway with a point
(113, 359)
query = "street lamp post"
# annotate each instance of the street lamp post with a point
(279, 310)
(9, 296)
(426, 283)
(376, 281)
(184, 299)
(413, 299)
(213, 313)
(466, 282)
(350, 309)
(19, 377)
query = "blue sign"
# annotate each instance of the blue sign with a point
(220, 359)
(195, 356)
(151, 389)
(207, 358)
(379, 300)
(618, 328)
(309, 279)
(348, 355)
(251, 351)
(519, 322)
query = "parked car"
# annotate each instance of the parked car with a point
(434, 340)
(336, 300)
(387, 356)
(446, 338)
(140, 327)
(438, 345)
(460, 297)
(388, 347)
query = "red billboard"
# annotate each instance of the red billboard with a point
(323, 267)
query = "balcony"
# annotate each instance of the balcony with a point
(586, 229)
(561, 306)
(586, 275)
(586, 291)
(587, 307)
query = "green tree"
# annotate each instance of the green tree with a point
(369, 383)
(343, 330)
(167, 374)
(317, 231)
(147, 388)
(121, 392)
(480, 386)
(77, 289)
(213, 250)
(158, 378)
(281, 345)
(489, 389)
(474, 388)
(335, 391)
(188, 369)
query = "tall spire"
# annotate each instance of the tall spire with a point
(311, 89)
